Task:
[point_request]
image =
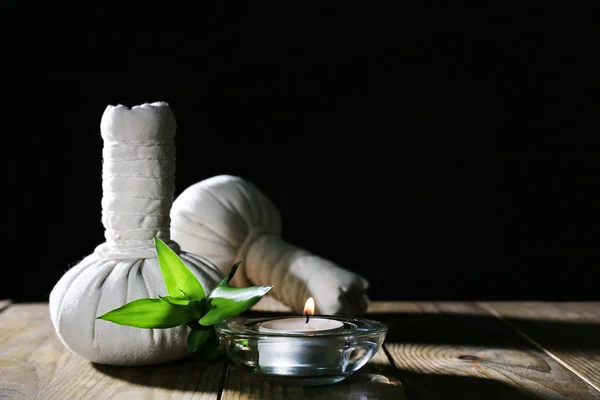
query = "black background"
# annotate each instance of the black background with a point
(441, 153)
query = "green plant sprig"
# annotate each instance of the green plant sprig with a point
(188, 304)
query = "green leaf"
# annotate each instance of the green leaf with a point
(230, 274)
(197, 338)
(211, 352)
(198, 308)
(212, 349)
(174, 301)
(178, 278)
(148, 313)
(226, 302)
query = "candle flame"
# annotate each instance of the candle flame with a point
(309, 307)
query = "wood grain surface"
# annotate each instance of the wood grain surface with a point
(434, 350)
(4, 304)
(34, 364)
(459, 351)
(568, 331)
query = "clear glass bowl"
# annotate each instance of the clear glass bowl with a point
(301, 358)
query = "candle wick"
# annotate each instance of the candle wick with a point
(307, 317)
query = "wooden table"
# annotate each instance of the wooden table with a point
(434, 350)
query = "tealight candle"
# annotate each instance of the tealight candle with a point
(301, 350)
(299, 325)
(289, 355)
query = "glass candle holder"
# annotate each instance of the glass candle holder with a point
(298, 357)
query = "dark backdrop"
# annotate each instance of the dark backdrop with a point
(438, 159)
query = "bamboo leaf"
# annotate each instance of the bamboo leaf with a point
(212, 350)
(226, 302)
(231, 273)
(197, 308)
(197, 338)
(175, 301)
(148, 313)
(178, 278)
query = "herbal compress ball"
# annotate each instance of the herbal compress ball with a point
(138, 189)
(226, 218)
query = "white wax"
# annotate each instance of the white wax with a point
(288, 355)
(299, 325)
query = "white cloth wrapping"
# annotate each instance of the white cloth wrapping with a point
(138, 189)
(226, 218)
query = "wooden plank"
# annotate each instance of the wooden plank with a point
(568, 331)
(461, 351)
(180, 380)
(4, 304)
(442, 350)
(376, 380)
(34, 364)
